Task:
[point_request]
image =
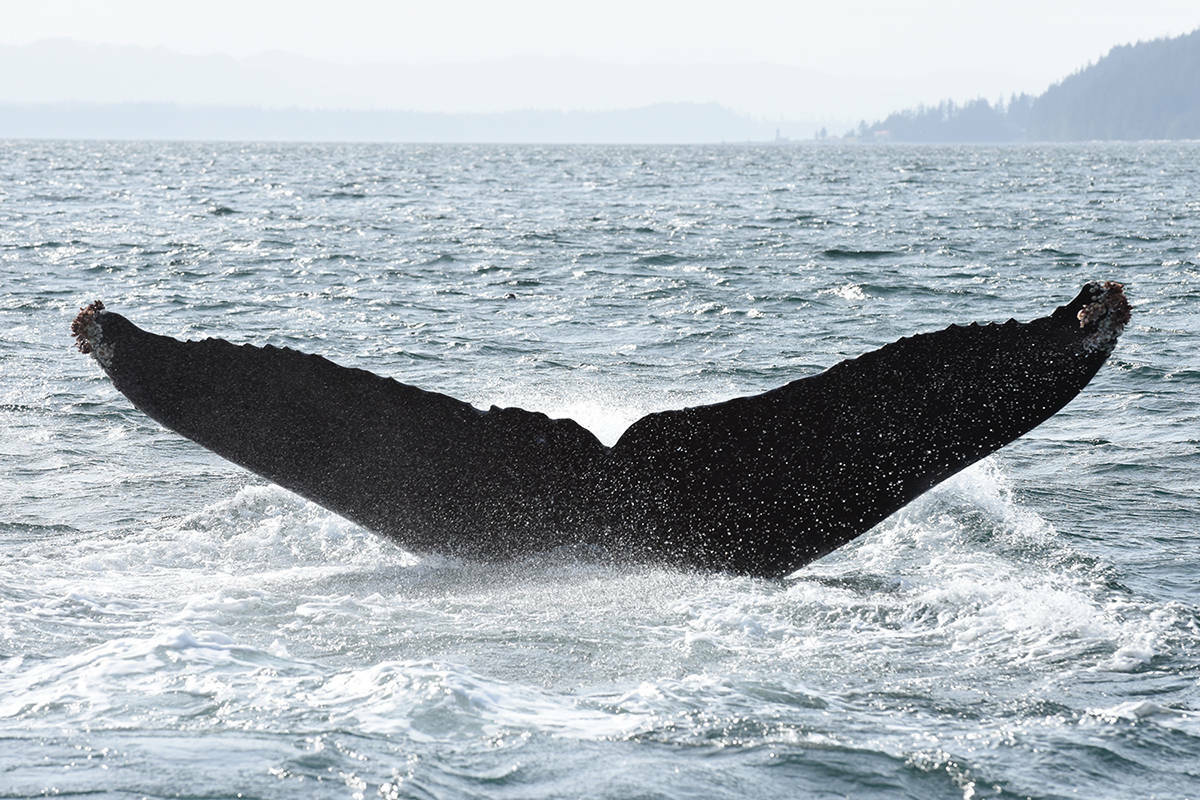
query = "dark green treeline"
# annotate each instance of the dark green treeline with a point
(1149, 90)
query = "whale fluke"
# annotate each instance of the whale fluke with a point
(758, 485)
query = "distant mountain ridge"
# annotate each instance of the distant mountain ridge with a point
(662, 123)
(1148, 90)
(58, 71)
(72, 90)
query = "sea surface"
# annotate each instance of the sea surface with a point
(172, 626)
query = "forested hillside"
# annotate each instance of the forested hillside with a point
(1149, 90)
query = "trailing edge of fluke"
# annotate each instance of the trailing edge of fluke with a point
(759, 485)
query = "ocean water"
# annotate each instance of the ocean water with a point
(171, 626)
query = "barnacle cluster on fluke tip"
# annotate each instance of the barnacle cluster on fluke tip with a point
(83, 326)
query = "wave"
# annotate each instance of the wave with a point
(342, 195)
(663, 259)
(848, 253)
(263, 612)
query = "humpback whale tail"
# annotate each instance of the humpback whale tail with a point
(759, 485)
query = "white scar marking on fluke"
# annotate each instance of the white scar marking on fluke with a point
(101, 351)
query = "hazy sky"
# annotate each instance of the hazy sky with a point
(935, 49)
